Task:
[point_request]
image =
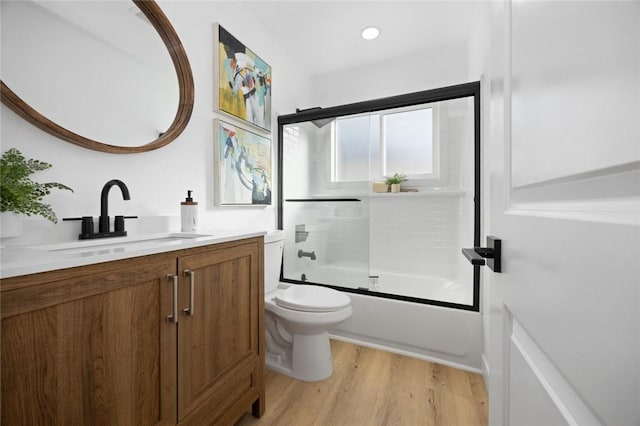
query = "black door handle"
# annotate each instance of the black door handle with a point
(490, 255)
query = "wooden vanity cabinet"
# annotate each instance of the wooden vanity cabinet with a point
(89, 345)
(220, 335)
(98, 344)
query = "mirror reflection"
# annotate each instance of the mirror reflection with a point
(98, 68)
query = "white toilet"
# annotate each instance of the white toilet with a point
(297, 320)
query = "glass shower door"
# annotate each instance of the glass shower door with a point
(326, 225)
(342, 232)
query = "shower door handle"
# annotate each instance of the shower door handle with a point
(490, 255)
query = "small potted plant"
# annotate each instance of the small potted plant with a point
(395, 181)
(19, 195)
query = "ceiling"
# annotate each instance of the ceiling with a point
(325, 35)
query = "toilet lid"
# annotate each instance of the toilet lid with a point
(312, 298)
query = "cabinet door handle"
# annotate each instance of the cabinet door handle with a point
(191, 308)
(174, 317)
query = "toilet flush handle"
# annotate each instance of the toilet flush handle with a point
(191, 308)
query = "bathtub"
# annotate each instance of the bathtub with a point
(444, 335)
(410, 285)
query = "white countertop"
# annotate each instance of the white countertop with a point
(24, 260)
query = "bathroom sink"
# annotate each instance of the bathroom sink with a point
(122, 244)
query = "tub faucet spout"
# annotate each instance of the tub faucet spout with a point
(311, 255)
(104, 202)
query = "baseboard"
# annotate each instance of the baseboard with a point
(485, 369)
(406, 353)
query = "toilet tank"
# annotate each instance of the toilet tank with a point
(273, 246)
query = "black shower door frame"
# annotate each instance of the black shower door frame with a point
(465, 90)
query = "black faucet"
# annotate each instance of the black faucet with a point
(103, 221)
(104, 230)
(311, 255)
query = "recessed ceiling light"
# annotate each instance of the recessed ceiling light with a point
(370, 33)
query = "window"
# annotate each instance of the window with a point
(354, 142)
(371, 146)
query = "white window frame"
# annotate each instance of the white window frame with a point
(421, 178)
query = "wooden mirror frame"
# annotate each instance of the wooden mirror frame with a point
(185, 85)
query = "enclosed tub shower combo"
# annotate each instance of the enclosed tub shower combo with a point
(393, 253)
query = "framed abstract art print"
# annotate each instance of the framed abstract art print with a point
(243, 166)
(243, 88)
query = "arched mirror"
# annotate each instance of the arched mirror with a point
(108, 76)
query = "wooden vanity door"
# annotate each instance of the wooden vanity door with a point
(89, 345)
(219, 367)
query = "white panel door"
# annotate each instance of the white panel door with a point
(562, 185)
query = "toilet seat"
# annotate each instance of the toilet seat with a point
(311, 298)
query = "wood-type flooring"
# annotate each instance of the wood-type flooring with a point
(371, 387)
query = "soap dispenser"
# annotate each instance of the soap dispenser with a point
(188, 214)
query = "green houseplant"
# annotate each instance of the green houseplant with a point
(395, 181)
(18, 193)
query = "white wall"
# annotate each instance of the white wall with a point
(438, 67)
(158, 180)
